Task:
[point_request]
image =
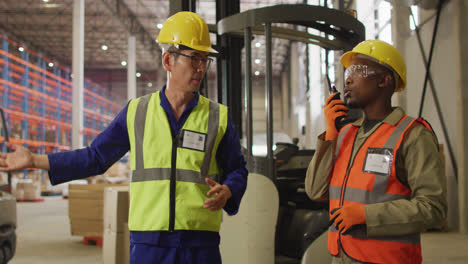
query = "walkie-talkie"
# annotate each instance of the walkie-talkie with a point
(340, 121)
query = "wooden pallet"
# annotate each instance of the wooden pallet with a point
(92, 241)
(30, 200)
(51, 193)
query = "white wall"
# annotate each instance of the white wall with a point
(444, 72)
(316, 96)
(461, 23)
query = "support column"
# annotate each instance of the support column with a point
(229, 65)
(181, 5)
(78, 73)
(292, 127)
(400, 33)
(269, 101)
(461, 40)
(131, 69)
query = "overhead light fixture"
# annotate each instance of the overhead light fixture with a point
(257, 73)
(48, 4)
(21, 49)
(150, 84)
(159, 25)
(123, 63)
(258, 44)
(104, 47)
(51, 64)
(257, 61)
(138, 74)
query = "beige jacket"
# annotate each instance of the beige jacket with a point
(419, 165)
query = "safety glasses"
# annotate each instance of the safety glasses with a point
(363, 71)
(197, 60)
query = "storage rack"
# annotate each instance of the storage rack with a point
(36, 98)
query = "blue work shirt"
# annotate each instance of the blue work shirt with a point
(111, 144)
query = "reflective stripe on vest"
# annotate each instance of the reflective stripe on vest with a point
(368, 188)
(167, 194)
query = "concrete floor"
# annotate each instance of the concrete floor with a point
(44, 238)
(44, 235)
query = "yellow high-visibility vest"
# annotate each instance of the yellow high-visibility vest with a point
(168, 189)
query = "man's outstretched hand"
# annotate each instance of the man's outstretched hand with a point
(21, 158)
(222, 194)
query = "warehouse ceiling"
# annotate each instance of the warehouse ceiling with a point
(46, 26)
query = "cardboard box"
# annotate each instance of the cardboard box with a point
(116, 206)
(126, 245)
(86, 209)
(112, 247)
(86, 227)
(28, 189)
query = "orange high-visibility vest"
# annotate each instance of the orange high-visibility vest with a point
(355, 182)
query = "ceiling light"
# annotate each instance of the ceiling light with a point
(138, 74)
(159, 25)
(51, 64)
(21, 49)
(150, 84)
(123, 63)
(45, 1)
(104, 47)
(258, 44)
(257, 73)
(257, 61)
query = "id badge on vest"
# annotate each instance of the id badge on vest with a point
(378, 161)
(193, 140)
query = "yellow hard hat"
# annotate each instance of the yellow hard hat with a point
(383, 53)
(187, 29)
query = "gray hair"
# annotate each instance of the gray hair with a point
(166, 47)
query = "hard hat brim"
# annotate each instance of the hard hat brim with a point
(205, 49)
(346, 58)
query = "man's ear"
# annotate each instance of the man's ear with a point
(167, 61)
(386, 81)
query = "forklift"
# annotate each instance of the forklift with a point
(277, 222)
(8, 211)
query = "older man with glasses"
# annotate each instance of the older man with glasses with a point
(185, 156)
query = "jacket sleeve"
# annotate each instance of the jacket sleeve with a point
(107, 148)
(319, 170)
(420, 162)
(232, 162)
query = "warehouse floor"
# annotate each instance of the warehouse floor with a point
(44, 238)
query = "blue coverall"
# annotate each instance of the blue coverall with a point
(158, 246)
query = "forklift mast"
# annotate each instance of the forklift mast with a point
(5, 187)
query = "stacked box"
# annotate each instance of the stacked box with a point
(27, 190)
(116, 206)
(86, 209)
(126, 243)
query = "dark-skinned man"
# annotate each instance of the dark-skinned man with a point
(382, 174)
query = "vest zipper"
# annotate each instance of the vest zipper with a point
(172, 187)
(348, 169)
(345, 181)
(351, 161)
